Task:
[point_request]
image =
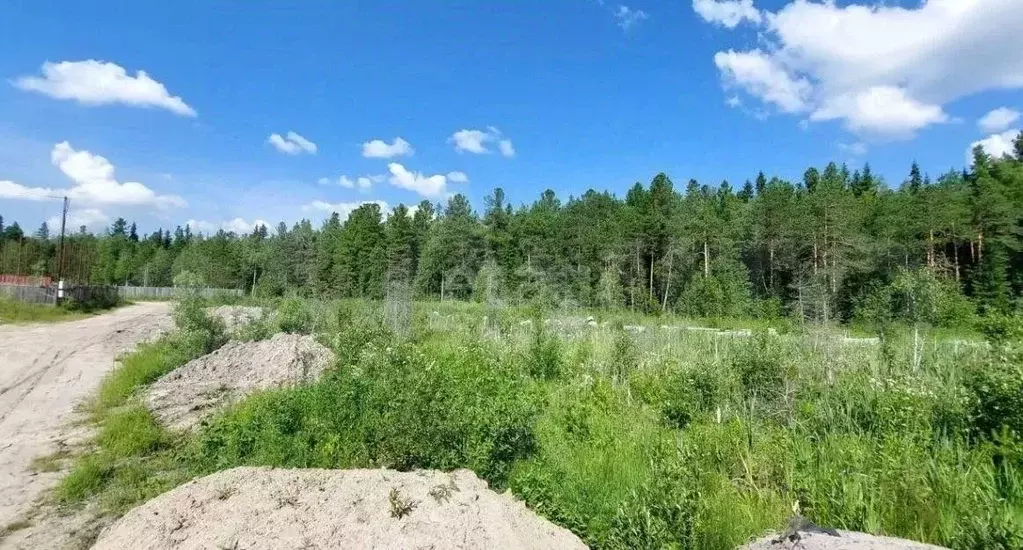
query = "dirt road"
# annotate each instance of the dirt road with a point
(45, 372)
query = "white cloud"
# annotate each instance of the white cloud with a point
(344, 209)
(93, 183)
(727, 13)
(627, 17)
(361, 182)
(93, 220)
(237, 225)
(996, 145)
(292, 144)
(733, 101)
(16, 191)
(427, 186)
(506, 147)
(998, 120)
(458, 177)
(864, 63)
(476, 142)
(94, 82)
(881, 111)
(201, 226)
(857, 149)
(379, 149)
(761, 75)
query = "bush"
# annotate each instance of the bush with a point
(394, 409)
(293, 316)
(199, 333)
(688, 395)
(545, 359)
(997, 398)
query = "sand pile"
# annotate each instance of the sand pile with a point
(184, 396)
(847, 540)
(263, 508)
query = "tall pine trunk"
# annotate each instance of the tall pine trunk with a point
(706, 259)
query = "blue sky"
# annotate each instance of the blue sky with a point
(587, 93)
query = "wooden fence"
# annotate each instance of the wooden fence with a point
(168, 292)
(34, 294)
(29, 293)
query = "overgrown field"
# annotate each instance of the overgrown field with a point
(640, 435)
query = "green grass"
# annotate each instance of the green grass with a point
(655, 439)
(15, 312)
(137, 369)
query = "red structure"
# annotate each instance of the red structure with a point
(26, 280)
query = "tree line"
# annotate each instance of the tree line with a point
(835, 243)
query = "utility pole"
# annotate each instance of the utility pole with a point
(60, 251)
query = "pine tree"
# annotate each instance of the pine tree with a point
(761, 182)
(43, 233)
(746, 194)
(119, 227)
(915, 181)
(133, 234)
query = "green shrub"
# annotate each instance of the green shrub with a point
(688, 395)
(624, 355)
(198, 332)
(760, 369)
(397, 409)
(545, 359)
(293, 316)
(997, 397)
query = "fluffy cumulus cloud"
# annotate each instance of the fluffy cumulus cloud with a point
(996, 145)
(885, 71)
(478, 142)
(880, 110)
(427, 186)
(761, 75)
(92, 218)
(93, 183)
(344, 209)
(237, 225)
(627, 17)
(727, 13)
(292, 144)
(458, 177)
(363, 183)
(380, 149)
(998, 120)
(94, 82)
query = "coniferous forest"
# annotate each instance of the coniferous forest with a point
(839, 244)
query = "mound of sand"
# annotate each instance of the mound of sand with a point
(236, 316)
(184, 396)
(263, 508)
(847, 540)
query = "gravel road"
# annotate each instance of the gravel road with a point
(45, 372)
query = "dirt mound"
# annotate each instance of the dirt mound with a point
(236, 316)
(184, 396)
(263, 508)
(847, 540)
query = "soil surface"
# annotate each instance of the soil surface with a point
(183, 397)
(846, 540)
(264, 508)
(46, 370)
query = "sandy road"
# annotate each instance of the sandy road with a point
(45, 372)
